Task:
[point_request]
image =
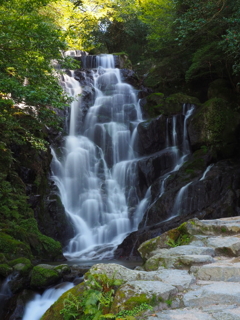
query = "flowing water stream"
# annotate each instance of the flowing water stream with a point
(97, 163)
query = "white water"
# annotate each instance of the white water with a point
(94, 174)
(179, 203)
(40, 303)
(5, 292)
(179, 158)
(206, 171)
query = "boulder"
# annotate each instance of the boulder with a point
(44, 275)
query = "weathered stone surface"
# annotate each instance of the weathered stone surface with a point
(191, 250)
(130, 293)
(228, 270)
(216, 293)
(225, 245)
(176, 261)
(223, 312)
(180, 279)
(185, 314)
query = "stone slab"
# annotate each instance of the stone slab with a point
(215, 293)
(227, 270)
(225, 245)
(180, 279)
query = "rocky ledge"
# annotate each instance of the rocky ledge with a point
(191, 272)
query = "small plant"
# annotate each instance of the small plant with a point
(135, 311)
(95, 302)
(204, 148)
(183, 239)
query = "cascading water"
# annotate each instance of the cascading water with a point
(40, 303)
(179, 157)
(95, 171)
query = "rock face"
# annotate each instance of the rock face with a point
(198, 280)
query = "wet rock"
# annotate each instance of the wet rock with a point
(44, 275)
(152, 135)
(130, 77)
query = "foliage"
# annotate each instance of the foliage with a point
(135, 311)
(95, 302)
(183, 239)
(29, 41)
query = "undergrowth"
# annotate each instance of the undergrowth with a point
(96, 300)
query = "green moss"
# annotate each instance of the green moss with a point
(3, 258)
(157, 103)
(125, 62)
(5, 270)
(136, 300)
(215, 125)
(148, 246)
(54, 311)
(23, 265)
(13, 248)
(154, 263)
(43, 276)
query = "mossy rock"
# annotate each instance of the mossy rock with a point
(174, 102)
(157, 103)
(22, 265)
(123, 60)
(54, 311)
(216, 126)
(62, 269)
(5, 270)
(43, 276)
(13, 248)
(41, 246)
(219, 88)
(172, 238)
(165, 75)
(195, 164)
(135, 293)
(153, 263)
(3, 258)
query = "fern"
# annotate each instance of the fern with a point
(95, 303)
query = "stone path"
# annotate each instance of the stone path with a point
(201, 280)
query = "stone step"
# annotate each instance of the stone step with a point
(135, 291)
(227, 270)
(229, 246)
(180, 257)
(180, 279)
(224, 226)
(223, 312)
(218, 293)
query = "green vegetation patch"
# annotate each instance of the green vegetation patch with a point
(23, 265)
(5, 270)
(43, 276)
(13, 248)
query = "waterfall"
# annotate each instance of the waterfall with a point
(179, 158)
(35, 308)
(5, 292)
(206, 171)
(180, 204)
(95, 172)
